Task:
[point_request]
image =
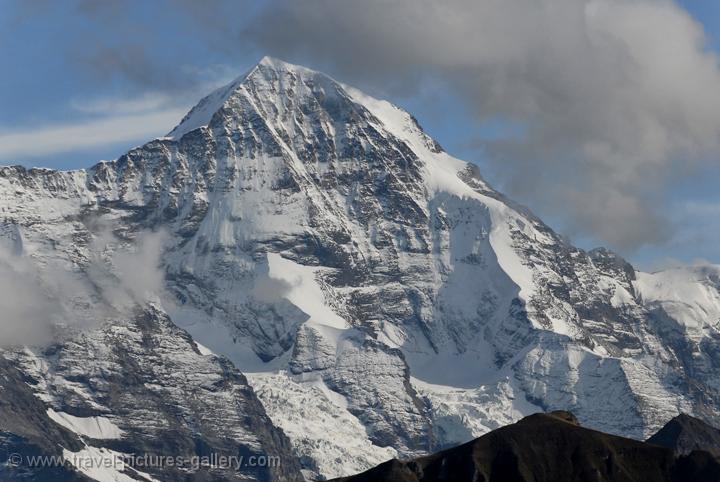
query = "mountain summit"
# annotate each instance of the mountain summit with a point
(202, 114)
(330, 285)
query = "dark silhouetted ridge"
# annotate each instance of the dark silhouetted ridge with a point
(550, 447)
(684, 433)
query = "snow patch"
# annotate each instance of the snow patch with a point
(93, 427)
(305, 292)
(104, 465)
(205, 351)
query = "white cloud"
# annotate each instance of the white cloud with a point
(148, 102)
(29, 309)
(40, 300)
(78, 135)
(105, 121)
(139, 276)
(705, 210)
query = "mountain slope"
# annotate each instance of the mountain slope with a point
(363, 280)
(549, 447)
(137, 386)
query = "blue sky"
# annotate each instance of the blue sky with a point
(86, 80)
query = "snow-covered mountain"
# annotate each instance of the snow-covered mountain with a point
(333, 288)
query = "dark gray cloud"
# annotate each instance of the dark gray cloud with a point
(133, 62)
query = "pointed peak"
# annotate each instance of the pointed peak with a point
(268, 61)
(278, 65)
(267, 68)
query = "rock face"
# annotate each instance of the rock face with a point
(380, 297)
(547, 448)
(138, 386)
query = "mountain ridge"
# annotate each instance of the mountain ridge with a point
(684, 433)
(550, 447)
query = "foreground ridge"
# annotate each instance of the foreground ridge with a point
(551, 447)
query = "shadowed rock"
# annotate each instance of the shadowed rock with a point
(684, 433)
(549, 447)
